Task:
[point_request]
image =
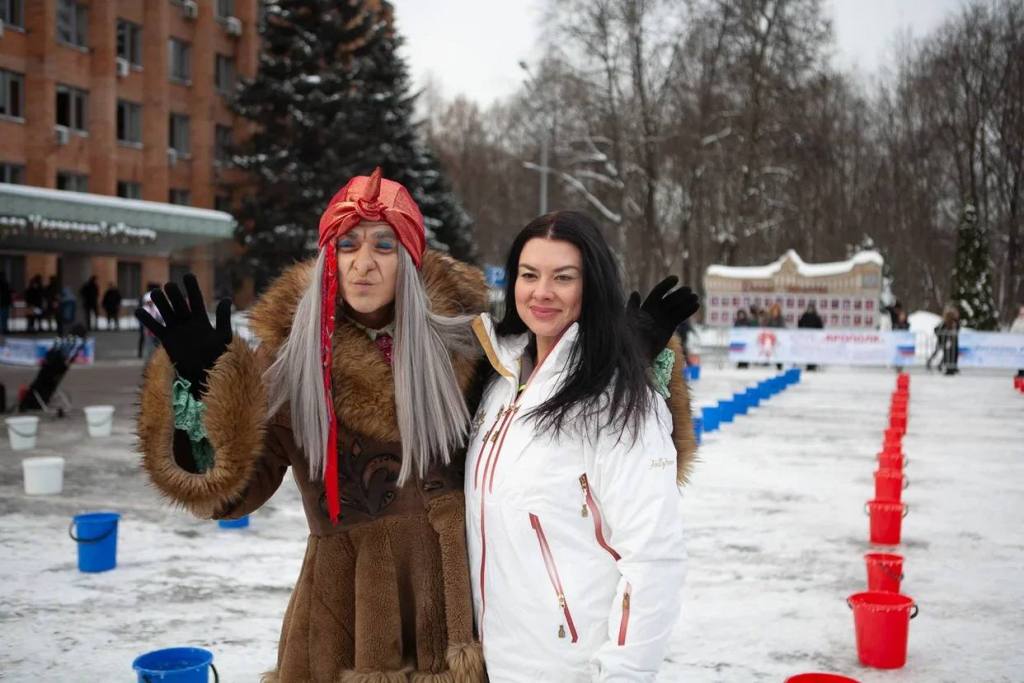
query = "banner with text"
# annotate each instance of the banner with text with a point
(820, 347)
(991, 350)
(32, 351)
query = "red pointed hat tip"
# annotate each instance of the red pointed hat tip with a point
(372, 187)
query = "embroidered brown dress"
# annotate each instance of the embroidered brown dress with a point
(384, 594)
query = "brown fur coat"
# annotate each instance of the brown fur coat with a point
(384, 595)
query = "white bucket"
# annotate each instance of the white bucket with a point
(99, 420)
(22, 431)
(43, 476)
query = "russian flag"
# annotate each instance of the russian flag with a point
(737, 346)
(905, 350)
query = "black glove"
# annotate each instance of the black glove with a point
(661, 313)
(192, 344)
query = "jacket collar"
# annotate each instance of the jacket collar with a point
(505, 353)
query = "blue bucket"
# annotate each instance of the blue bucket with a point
(96, 539)
(239, 523)
(753, 397)
(694, 372)
(698, 429)
(176, 665)
(709, 418)
(740, 404)
(726, 412)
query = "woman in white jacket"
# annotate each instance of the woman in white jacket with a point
(574, 522)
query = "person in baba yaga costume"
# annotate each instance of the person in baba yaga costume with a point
(366, 356)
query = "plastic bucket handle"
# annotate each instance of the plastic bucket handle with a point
(71, 533)
(889, 573)
(913, 607)
(101, 423)
(21, 434)
(906, 508)
(216, 676)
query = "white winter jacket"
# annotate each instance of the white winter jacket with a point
(576, 544)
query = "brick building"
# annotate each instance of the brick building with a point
(115, 113)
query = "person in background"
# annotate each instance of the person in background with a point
(66, 310)
(812, 321)
(901, 322)
(34, 298)
(112, 306)
(6, 301)
(90, 293)
(947, 341)
(51, 302)
(774, 317)
(742, 320)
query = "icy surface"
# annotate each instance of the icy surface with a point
(776, 538)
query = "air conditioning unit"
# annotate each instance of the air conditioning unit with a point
(190, 8)
(122, 67)
(172, 156)
(63, 135)
(233, 25)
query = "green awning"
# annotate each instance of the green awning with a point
(43, 219)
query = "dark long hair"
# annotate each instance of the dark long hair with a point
(607, 368)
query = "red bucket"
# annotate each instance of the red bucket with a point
(892, 460)
(903, 380)
(820, 678)
(898, 421)
(889, 485)
(885, 571)
(893, 435)
(882, 622)
(886, 521)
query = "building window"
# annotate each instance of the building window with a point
(129, 122)
(178, 134)
(129, 42)
(12, 13)
(179, 196)
(72, 22)
(74, 182)
(222, 144)
(224, 73)
(180, 61)
(72, 105)
(12, 87)
(129, 190)
(225, 9)
(222, 202)
(12, 173)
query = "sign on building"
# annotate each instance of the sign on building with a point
(845, 293)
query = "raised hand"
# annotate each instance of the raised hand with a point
(192, 344)
(662, 312)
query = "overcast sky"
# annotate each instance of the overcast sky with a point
(474, 46)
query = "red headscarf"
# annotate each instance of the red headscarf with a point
(361, 199)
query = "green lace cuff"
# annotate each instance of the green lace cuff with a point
(662, 371)
(188, 417)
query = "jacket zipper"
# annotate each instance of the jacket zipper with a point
(483, 444)
(590, 505)
(504, 416)
(624, 623)
(556, 581)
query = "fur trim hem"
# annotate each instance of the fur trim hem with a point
(682, 422)
(465, 665)
(235, 419)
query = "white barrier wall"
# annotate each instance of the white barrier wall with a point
(852, 347)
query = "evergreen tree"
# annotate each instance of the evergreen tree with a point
(972, 281)
(331, 100)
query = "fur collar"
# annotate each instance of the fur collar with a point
(364, 388)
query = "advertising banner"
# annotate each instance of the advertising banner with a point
(820, 347)
(991, 350)
(32, 351)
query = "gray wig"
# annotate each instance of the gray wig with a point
(431, 410)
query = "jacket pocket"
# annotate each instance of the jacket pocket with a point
(556, 581)
(591, 510)
(624, 621)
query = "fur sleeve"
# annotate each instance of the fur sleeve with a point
(682, 423)
(236, 405)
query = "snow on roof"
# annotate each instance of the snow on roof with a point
(116, 202)
(804, 269)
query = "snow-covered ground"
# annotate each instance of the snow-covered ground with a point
(776, 538)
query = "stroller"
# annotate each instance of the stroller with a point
(44, 393)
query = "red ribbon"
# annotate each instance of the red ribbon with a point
(329, 293)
